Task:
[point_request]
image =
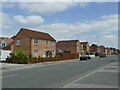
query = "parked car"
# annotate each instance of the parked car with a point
(85, 57)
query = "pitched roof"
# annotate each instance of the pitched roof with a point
(93, 45)
(67, 42)
(6, 39)
(101, 46)
(84, 43)
(37, 34)
(13, 37)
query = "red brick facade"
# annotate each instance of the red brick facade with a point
(34, 43)
(85, 48)
(69, 46)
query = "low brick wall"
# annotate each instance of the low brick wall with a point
(48, 59)
(66, 56)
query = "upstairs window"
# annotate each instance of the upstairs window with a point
(35, 41)
(46, 42)
(18, 42)
(3, 44)
(53, 43)
(81, 47)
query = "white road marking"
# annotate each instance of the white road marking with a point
(86, 75)
(81, 78)
(48, 68)
(9, 76)
(43, 69)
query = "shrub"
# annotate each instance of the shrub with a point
(30, 56)
(21, 55)
(58, 57)
(12, 55)
(50, 55)
(38, 59)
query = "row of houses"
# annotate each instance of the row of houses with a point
(43, 44)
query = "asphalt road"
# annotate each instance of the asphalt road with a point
(100, 73)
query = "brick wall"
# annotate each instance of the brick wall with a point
(25, 43)
(42, 47)
(66, 56)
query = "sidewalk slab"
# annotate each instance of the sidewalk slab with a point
(8, 66)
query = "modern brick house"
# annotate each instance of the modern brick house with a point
(69, 46)
(85, 48)
(107, 51)
(34, 43)
(4, 42)
(102, 49)
(10, 46)
(111, 50)
(93, 49)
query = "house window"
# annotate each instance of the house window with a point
(53, 43)
(46, 42)
(35, 41)
(4, 44)
(18, 42)
(67, 51)
(52, 53)
(81, 47)
(36, 53)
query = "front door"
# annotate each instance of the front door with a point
(47, 54)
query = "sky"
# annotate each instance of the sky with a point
(95, 22)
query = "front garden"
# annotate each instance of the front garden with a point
(21, 58)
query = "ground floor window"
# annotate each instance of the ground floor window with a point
(36, 53)
(52, 53)
(67, 51)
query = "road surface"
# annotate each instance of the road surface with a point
(95, 73)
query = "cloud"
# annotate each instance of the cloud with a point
(104, 25)
(8, 4)
(109, 40)
(29, 20)
(7, 21)
(8, 24)
(49, 7)
(11, 24)
(44, 7)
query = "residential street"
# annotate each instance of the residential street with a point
(95, 73)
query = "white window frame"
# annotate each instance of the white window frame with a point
(82, 47)
(36, 53)
(46, 42)
(52, 53)
(53, 43)
(18, 42)
(35, 41)
(3, 44)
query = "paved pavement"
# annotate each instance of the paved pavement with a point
(5, 67)
(102, 73)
